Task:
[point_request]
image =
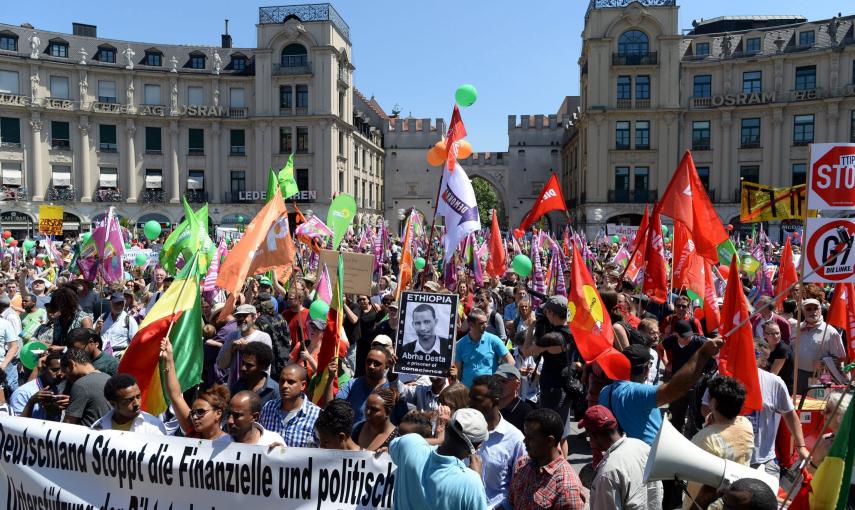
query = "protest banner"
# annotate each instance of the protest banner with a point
(425, 343)
(767, 203)
(358, 270)
(56, 465)
(130, 254)
(827, 243)
(50, 220)
(613, 229)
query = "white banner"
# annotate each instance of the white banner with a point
(228, 234)
(131, 254)
(613, 229)
(46, 465)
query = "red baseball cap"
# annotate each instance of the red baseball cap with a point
(598, 418)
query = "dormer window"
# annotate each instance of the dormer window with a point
(58, 48)
(807, 38)
(8, 41)
(702, 49)
(197, 60)
(239, 63)
(106, 54)
(294, 55)
(153, 58)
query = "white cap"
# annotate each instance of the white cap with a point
(470, 425)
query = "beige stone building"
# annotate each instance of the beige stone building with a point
(88, 122)
(746, 94)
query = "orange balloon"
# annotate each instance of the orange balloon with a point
(464, 149)
(435, 156)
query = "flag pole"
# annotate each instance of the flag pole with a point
(429, 265)
(797, 339)
(161, 363)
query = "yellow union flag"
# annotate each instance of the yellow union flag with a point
(766, 203)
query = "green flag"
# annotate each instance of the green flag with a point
(190, 237)
(287, 183)
(340, 215)
(272, 184)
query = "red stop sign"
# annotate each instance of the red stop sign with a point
(832, 177)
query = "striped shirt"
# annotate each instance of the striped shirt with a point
(299, 431)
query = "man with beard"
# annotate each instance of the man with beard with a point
(242, 421)
(124, 396)
(39, 398)
(818, 340)
(228, 358)
(255, 360)
(32, 318)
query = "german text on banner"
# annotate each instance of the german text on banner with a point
(50, 219)
(766, 203)
(54, 465)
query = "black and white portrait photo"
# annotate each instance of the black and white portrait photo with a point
(425, 342)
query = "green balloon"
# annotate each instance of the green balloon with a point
(29, 244)
(319, 310)
(151, 230)
(140, 259)
(615, 239)
(521, 265)
(85, 237)
(465, 95)
(665, 230)
(420, 263)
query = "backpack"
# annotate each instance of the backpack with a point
(633, 335)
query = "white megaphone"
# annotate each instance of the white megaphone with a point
(675, 457)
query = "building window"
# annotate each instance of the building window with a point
(197, 61)
(237, 142)
(237, 181)
(286, 96)
(58, 49)
(59, 87)
(641, 178)
(642, 134)
(624, 87)
(106, 54)
(802, 129)
(622, 179)
(237, 98)
(750, 133)
(106, 91)
(752, 81)
(704, 175)
(59, 135)
(341, 103)
(153, 178)
(152, 140)
(642, 87)
(622, 135)
(301, 175)
(9, 82)
(752, 45)
(61, 176)
(108, 178)
(196, 180)
(107, 138)
(239, 63)
(749, 173)
(153, 58)
(151, 94)
(356, 190)
(195, 96)
(8, 42)
(702, 86)
(196, 141)
(633, 42)
(10, 131)
(702, 49)
(302, 96)
(285, 141)
(341, 143)
(11, 174)
(701, 135)
(799, 174)
(302, 140)
(807, 38)
(294, 55)
(806, 78)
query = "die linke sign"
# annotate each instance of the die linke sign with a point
(831, 177)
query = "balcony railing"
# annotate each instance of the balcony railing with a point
(291, 67)
(632, 196)
(237, 150)
(701, 146)
(107, 147)
(624, 104)
(108, 195)
(634, 59)
(238, 112)
(701, 102)
(750, 144)
(153, 196)
(11, 193)
(642, 104)
(196, 196)
(60, 144)
(10, 145)
(61, 193)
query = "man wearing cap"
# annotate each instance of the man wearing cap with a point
(818, 340)
(479, 352)
(228, 359)
(514, 409)
(679, 348)
(117, 327)
(619, 478)
(429, 477)
(265, 290)
(40, 286)
(635, 404)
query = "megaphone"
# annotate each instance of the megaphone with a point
(675, 457)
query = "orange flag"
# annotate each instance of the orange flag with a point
(590, 323)
(276, 252)
(841, 314)
(497, 263)
(787, 274)
(655, 273)
(405, 273)
(736, 358)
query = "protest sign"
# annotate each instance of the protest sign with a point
(130, 254)
(50, 220)
(425, 343)
(55, 465)
(358, 270)
(613, 229)
(831, 176)
(827, 242)
(766, 203)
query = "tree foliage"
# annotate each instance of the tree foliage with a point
(487, 199)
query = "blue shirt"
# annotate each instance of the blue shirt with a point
(22, 395)
(479, 358)
(410, 453)
(634, 406)
(299, 432)
(356, 392)
(448, 483)
(510, 312)
(499, 455)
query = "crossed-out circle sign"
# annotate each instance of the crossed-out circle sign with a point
(826, 242)
(831, 180)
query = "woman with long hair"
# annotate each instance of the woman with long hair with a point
(377, 431)
(64, 308)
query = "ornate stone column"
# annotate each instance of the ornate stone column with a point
(37, 186)
(85, 170)
(175, 177)
(131, 162)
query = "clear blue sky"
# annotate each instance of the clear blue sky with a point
(522, 56)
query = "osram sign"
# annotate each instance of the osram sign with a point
(831, 177)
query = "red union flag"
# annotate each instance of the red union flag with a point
(831, 178)
(551, 199)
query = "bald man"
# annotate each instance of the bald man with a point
(242, 421)
(292, 415)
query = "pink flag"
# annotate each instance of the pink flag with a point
(210, 283)
(111, 248)
(324, 286)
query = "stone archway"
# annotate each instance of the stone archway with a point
(490, 196)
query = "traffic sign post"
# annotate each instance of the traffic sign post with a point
(829, 240)
(831, 177)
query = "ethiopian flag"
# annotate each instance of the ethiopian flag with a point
(178, 314)
(330, 341)
(831, 481)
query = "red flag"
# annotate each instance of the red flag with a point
(683, 253)
(655, 274)
(590, 323)
(642, 230)
(551, 199)
(497, 264)
(736, 358)
(787, 274)
(711, 312)
(686, 201)
(456, 132)
(841, 314)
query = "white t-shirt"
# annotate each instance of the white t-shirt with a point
(7, 336)
(268, 437)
